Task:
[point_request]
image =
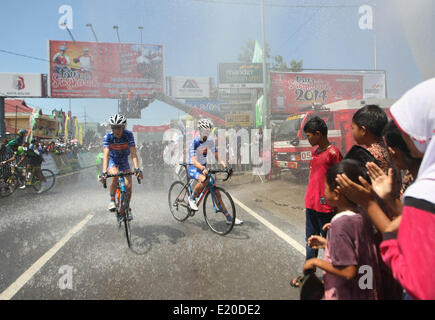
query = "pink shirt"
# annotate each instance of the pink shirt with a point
(410, 253)
(321, 162)
(350, 243)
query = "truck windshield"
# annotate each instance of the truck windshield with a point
(290, 128)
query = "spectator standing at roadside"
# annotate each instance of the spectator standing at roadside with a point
(407, 246)
(367, 126)
(317, 210)
(349, 244)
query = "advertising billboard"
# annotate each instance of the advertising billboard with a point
(240, 75)
(189, 87)
(210, 106)
(290, 91)
(241, 119)
(23, 85)
(105, 70)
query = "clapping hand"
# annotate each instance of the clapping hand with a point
(360, 194)
(382, 184)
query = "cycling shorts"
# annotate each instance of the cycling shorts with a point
(194, 173)
(34, 161)
(122, 165)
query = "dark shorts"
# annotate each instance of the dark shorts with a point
(34, 161)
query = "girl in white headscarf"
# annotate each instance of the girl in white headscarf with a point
(408, 241)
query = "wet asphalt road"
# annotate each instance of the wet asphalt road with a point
(168, 260)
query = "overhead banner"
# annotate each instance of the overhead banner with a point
(291, 91)
(23, 85)
(189, 87)
(105, 70)
(240, 75)
(140, 128)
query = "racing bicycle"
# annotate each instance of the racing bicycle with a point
(122, 203)
(18, 178)
(215, 198)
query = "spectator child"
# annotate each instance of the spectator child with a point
(317, 210)
(367, 125)
(349, 244)
(400, 155)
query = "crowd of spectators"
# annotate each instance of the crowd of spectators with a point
(374, 223)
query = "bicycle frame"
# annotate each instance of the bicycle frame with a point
(208, 188)
(120, 188)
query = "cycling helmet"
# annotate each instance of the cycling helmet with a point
(22, 132)
(20, 149)
(205, 124)
(13, 143)
(118, 120)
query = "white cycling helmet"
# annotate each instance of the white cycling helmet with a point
(118, 120)
(205, 124)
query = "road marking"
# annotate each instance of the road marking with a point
(300, 248)
(29, 273)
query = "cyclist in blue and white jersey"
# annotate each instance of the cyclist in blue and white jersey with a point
(118, 145)
(197, 170)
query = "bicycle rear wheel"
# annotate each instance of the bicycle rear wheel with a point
(125, 212)
(214, 207)
(178, 197)
(44, 186)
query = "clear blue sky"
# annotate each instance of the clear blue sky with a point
(197, 35)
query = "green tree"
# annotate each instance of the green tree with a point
(296, 66)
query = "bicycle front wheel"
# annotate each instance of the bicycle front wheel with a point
(178, 197)
(125, 212)
(216, 202)
(9, 186)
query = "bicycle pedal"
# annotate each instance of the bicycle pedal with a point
(192, 213)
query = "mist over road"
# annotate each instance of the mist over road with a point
(168, 259)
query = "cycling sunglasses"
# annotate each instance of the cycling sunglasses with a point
(204, 132)
(117, 127)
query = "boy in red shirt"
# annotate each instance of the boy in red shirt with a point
(317, 210)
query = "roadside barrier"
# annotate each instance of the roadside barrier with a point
(68, 162)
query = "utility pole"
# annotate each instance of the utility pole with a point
(2, 118)
(374, 38)
(265, 93)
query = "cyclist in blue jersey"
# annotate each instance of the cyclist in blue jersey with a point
(197, 170)
(118, 145)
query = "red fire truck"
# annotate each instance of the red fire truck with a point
(291, 149)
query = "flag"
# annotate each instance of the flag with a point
(76, 127)
(258, 53)
(81, 135)
(66, 129)
(259, 112)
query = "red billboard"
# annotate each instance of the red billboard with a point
(290, 91)
(105, 70)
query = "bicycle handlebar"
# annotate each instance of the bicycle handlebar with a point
(213, 171)
(122, 174)
(229, 173)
